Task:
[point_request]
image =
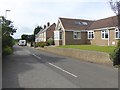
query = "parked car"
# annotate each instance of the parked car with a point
(22, 43)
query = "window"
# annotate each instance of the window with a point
(78, 23)
(90, 34)
(81, 23)
(104, 34)
(77, 35)
(117, 33)
(84, 23)
(57, 35)
(60, 35)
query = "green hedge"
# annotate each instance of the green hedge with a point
(41, 44)
(115, 55)
(7, 50)
(50, 41)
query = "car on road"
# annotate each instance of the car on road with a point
(22, 43)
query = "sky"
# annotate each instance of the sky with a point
(28, 14)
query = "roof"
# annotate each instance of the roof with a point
(75, 24)
(43, 30)
(70, 24)
(103, 23)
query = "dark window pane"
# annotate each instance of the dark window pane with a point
(116, 34)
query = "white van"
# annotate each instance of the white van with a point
(22, 43)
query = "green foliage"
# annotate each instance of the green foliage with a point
(50, 41)
(7, 40)
(37, 29)
(7, 50)
(7, 27)
(118, 44)
(115, 55)
(24, 37)
(41, 44)
(28, 38)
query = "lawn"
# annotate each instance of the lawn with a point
(107, 49)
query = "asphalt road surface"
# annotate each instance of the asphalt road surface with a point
(31, 68)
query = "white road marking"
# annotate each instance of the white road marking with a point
(56, 67)
(63, 70)
(36, 56)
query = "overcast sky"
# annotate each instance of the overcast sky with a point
(27, 14)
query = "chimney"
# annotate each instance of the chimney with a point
(44, 26)
(48, 24)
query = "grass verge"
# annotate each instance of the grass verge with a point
(107, 49)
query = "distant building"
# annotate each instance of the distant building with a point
(46, 33)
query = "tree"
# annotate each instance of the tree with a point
(24, 37)
(7, 40)
(28, 38)
(115, 6)
(37, 29)
(115, 56)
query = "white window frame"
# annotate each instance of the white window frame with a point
(76, 32)
(56, 35)
(92, 32)
(117, 31)
(104, 34)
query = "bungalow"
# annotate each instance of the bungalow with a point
(78, 31)
(104, 31)
(45, 34)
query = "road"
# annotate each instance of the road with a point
(31, 68)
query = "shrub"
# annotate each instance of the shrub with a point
(115, 55)
(50, 41)
(7, 50)
(41, 44)
(118, 44)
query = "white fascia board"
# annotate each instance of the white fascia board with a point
(90, 31)
(104, 28)
(61, 24)
(57, 25)
(44, 30)
(77, 30)
(39, 32)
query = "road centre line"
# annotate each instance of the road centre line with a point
(57, 67)
(36, 56)
(62, 70)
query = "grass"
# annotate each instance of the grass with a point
(107, 49)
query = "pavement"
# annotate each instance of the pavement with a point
(31, 68)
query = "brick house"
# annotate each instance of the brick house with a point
(46, 33)
(105, 32)
(78, 31)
